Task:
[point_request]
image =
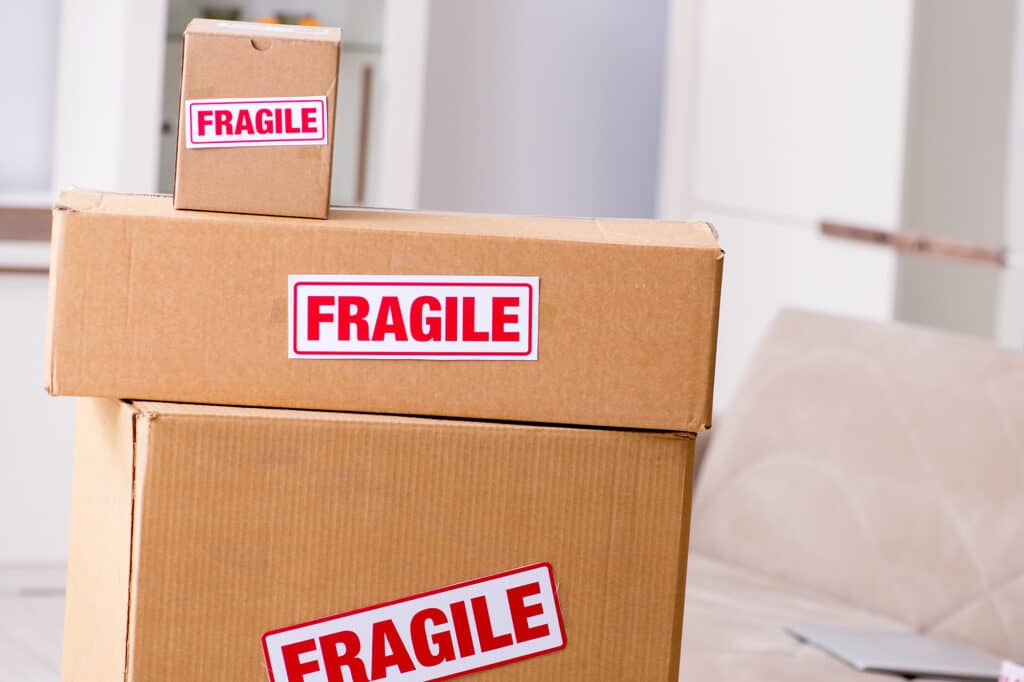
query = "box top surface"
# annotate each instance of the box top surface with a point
(252, 29)
(626, 232)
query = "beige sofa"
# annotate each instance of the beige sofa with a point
(868, 474)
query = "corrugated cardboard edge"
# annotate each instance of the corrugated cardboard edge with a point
(684, 552)
(99, 551)
(716, 303)
(332, 97)
(142, 422)
(56, 242)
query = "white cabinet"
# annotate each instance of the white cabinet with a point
(778, 114)
(36, 430)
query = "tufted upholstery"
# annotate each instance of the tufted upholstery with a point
(879, 467)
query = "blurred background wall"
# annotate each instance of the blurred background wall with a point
(29, 79)
(763, 117)
(543, 107)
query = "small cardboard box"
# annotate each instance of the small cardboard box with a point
(201, 536)
(256, 123)
(591, 322)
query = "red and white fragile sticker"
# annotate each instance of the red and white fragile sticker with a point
(255, 122)
(446, 317)
(437, 635)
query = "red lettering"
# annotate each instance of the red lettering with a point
(296, 669)
(352, 310)
(277, 121)
(488, 640)
(469, 331)
(315, 315)
(500, 317)
(205, 119)
(421, 642)
(425, 328)
(308, 115)
(244, 123)
(451, 318)
(222, 122)
(385, 636)
(521, 613)
(264, 122)
(288, 122)
(463, 634)
(389, 320)
(333, 661)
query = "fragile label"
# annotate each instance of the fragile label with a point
(446, 317)
(432, 636)
(257, 122)
(1011, 672)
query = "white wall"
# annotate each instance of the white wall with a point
(957, 146)
(110, 75)
(28, 78)
(36, 431)
(395, 169)
(777, 114)
(533, 106)
(1010, 325)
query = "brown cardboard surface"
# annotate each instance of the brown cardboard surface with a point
(236, 59)
(99, 556)
(246, 520)
(152, 303)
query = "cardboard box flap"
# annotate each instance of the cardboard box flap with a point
(79, 199)
(261, 31)
(148, 302)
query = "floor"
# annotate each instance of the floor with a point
(31, 622)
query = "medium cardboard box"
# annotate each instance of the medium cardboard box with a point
(200, 535)
(256, 123)
(590, 322)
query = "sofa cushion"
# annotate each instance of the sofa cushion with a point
(880, 464)
(735, 628)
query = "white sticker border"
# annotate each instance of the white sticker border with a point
(190, 143)
(533, 326)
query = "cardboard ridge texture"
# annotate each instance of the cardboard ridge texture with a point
(203, 537)
(256, 118)
(562, 321)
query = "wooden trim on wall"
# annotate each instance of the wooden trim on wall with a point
(24, 224)
(952, 249)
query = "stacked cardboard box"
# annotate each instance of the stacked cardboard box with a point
(501, 487)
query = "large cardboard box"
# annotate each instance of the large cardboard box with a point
(592, 322)
(198, 530)
(256, 120)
